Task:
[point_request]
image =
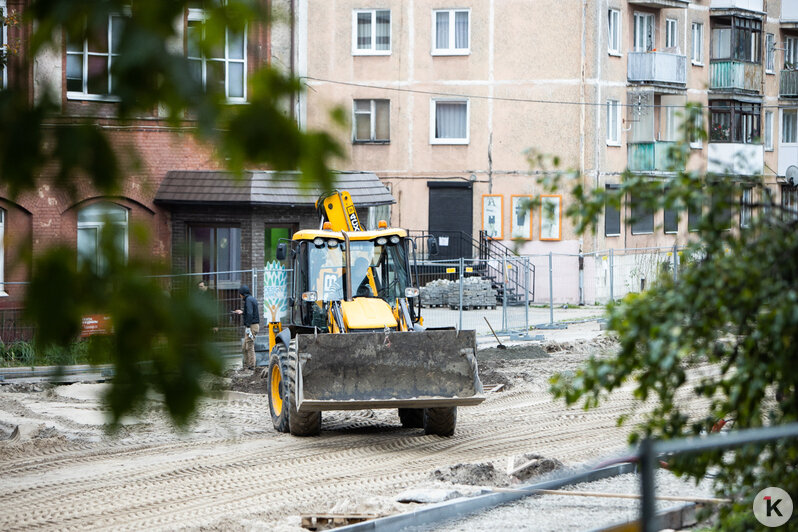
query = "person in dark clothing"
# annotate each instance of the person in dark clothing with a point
(251, 314)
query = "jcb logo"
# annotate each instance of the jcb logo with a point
(772, 506)
(353, 220)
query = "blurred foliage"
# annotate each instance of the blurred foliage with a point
(732, 312)
(161, 338)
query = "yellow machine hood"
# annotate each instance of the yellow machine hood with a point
(367, 313)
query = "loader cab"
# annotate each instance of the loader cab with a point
(378, 262)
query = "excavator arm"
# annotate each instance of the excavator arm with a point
(339, 209)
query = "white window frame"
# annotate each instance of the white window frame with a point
(99, 227)
(698, 143)
(746, 206)
(671, 33)
(4, 44)
(373, 49)
(647, 21)
(84, 54)
(697, 53)
(791, 53)
(199, 15)
(767, 131)
(443, 141)
(613, 111)
(614, 32)
(783, 123)
(450, 50)
(770, 53)
(372, 113)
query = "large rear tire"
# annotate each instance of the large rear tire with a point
(278, 388)
(411, 418)
(299, 423)
(440, 421)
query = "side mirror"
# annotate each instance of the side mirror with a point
(432, 245)
(281, 251)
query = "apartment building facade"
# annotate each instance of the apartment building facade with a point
(447, 100)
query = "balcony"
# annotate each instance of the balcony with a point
(659, 4)
(788, 84)
(789, 11)
(735, 159)
(788, 156)
(748, 5)
(731, 75)
(650, 157)
(657, 67)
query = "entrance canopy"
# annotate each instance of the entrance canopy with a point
(211, 187)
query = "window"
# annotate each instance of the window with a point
(739, 39)
(612, 215)
(643, 32)
(698, 43)
(94, 224)
(225, 70)
(672, 115)
(642, 218)
(789, 121)
(696, 142)
(671, 33)
(722, 208)
(746, 206)
(791, 53)
(451, 29)
(734, 121)
(613, 122)
(372, 120)
(215, 249)
(770, 53)
(371, 34)
(449, 124)
(88, 62)
(789, 202)
(614, 31)
(768, 130)
(670, 219)
(694, 213)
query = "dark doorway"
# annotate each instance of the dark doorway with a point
(451, 218)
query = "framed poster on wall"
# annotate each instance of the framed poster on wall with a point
(550, 217)
(492, 223)
(521, 217)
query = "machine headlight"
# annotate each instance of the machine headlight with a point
(318, 241)
(332, 243)
(394, 239)
(381, 241)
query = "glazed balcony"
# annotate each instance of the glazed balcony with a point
(650, 157)
(731, 75)
(657, 67)
(789, 11)
(788, 84)
(735, 159)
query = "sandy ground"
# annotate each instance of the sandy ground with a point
(231, 470)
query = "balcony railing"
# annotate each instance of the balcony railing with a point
(657, 67)
(650, 157)
(788, 84)
(789, 11)
(748, 5)
(736, 159)
(729, 74)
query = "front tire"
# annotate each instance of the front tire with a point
(440, 421)
(278, 389)
(299, 423)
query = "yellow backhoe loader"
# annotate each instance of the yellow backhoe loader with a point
(355, 339)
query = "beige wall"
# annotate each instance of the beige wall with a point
(522, 53)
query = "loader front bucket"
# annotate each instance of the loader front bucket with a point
(355, 371)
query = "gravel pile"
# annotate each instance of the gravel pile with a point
(477, 292)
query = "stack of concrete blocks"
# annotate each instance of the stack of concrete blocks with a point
(477, 293)
(436, 293)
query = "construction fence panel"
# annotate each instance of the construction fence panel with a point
(613, 274)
